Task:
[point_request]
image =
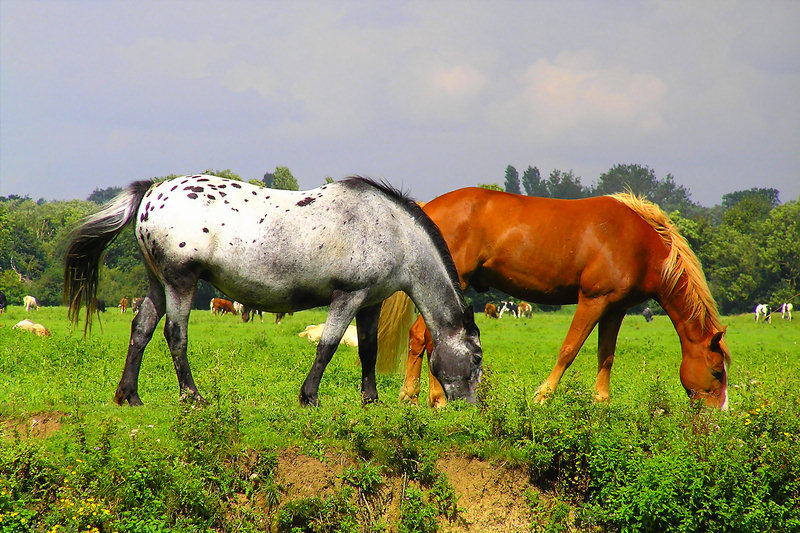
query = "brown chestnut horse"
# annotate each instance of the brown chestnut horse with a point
(606, 254)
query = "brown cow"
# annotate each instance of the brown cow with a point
(123, 305)
(136, 305)
(222, 306)
(490, 310)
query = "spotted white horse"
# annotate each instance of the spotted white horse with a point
(348, 245)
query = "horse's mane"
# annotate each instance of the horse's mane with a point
(419, 216)
(681, 260)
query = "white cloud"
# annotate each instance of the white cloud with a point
(574, 92)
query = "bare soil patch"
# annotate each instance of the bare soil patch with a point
(491, 496)
(38, 426)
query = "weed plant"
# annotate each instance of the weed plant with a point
(71, 460)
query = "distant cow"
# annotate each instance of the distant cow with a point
(314, 332)
(490, 311)
(36, 329)
(100, 306)
(30, 302)
(647, 314)
(249, 313)
(525, 309)
(123, 305)
(511, 307)
(3, 302)
(136, 305)
(786, 310)
(222, 306)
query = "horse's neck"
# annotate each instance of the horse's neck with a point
(440, 302)
(690, 325)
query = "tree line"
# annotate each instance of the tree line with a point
(749, 244)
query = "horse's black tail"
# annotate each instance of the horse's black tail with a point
(86, 247)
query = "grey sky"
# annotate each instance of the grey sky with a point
(429, 95)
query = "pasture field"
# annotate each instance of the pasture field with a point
(254, 460)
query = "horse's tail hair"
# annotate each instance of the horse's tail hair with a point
(85, 250)
(397, 316)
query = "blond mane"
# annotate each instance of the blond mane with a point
(681, 260)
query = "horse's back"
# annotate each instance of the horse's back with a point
(257, 244)
(544, 249)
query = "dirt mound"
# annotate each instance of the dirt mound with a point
(491, 496)
(41, 425)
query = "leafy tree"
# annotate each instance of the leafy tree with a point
(767, 196)
(227, 173)
(532, 182)
(269, 179)
(642, 180)
(512, 180)
(11, 285)
(565, 185)
(781, 252)
(491, 186)
(101, 196)
(747, 213)
(284, 180)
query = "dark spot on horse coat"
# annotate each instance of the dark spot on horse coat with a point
(305, 201)
(253, 193)
(202, 179)
(182, 244)
(205, 230)
(212, 197)
(223, 194)
(193, 188)
(192, 195)
(236, 185)
(172, 189)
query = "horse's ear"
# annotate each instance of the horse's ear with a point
(717, 339)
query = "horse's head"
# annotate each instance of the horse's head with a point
(704, 370)
(457, 360)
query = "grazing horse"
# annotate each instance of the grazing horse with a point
(786, 310)
(123, 305)
(348, 245)
(763, 311)
(606, 254)
(490, 311)
(525, 309)
(220, 306)
(30, 303)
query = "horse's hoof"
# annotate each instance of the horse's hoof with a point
(133, 399)
(308, 401)
(437, 402)
(405, 397)
(192, 397)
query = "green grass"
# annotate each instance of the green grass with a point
(645, 462)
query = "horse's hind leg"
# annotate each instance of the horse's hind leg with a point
(607, 332)
(367, 327)
(179, 304)
(144, 324)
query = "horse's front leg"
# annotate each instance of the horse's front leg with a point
(177, 334)
(144, 324)
(341, 312)
(367, 325)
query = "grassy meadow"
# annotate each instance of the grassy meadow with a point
(254, 460)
